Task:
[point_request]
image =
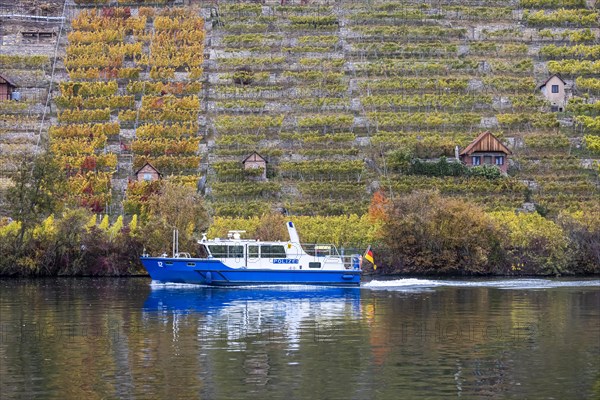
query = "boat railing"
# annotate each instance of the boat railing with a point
(182, 255)
(351, 261)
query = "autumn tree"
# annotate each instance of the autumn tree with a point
(533, 243)
(37, 193)
(272, 226)
(427, 233)
(583, 230)
(173, 207)
(377, 208)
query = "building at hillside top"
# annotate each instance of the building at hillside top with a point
(486, 149)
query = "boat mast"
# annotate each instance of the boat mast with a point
(175, 242)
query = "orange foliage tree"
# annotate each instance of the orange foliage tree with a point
(377, 208)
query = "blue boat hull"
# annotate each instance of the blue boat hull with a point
(215, 273)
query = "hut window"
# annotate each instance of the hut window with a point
(147, 176)
(476, 160)
(499, 160)
(554, 88)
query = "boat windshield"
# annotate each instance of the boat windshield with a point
(226, 251)
(201, 251)
(320, 250)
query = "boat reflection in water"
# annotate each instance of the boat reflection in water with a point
(261, 313)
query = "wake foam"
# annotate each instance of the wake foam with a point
(171, 285)
(401, 283)
(408, 283)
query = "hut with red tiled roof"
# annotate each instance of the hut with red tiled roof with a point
(486, 149)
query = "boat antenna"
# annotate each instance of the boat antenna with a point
(175, 242)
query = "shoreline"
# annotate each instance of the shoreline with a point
(368, 277)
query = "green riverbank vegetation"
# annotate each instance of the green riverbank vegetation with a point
(51, 236)
(419, 233)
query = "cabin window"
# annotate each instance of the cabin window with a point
(487, 160)
(218, 250)
(499, 160)
(236, 251)
(147, 176)
(253, 251)
(224, 251)
(314, 265)
(554, 88)
(476, 160)
(272, 251)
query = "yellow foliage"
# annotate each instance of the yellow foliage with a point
(10, 229)
(523, 228)
(91, 223)
(46, 228)
(533, 238)
(133, 223)
(350, 230)
(221, 225)
(189, 229)
(588, 218)
(343, 230)
(115, 229)
(104, 224)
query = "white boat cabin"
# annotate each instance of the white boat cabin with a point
(235, 252)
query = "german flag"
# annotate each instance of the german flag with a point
(369, 257)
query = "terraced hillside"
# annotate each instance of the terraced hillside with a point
(340, 97)
(27, 61)
(132, 98)
(432, 76)
(128, 94)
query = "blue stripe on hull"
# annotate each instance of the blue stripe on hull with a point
(215, 273)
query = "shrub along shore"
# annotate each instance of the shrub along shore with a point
(420, 233)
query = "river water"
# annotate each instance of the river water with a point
(84, 338)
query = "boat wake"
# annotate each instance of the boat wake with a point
(171, 285)
(412, 284)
